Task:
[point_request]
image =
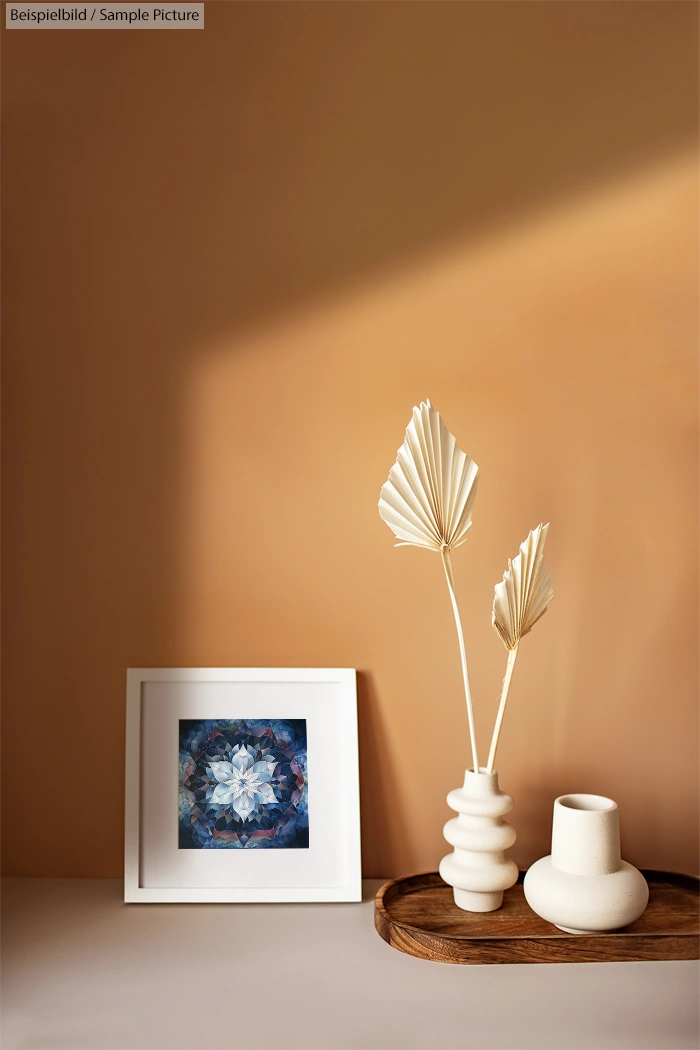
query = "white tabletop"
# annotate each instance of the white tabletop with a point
(83, 971)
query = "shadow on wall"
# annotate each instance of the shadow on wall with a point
(386, 833)
(164, 190)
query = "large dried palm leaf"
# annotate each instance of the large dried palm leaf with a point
(427, 502)
(428, 498)
(520, 600)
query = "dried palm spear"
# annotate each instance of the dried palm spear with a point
(427, 502)
(519, 602)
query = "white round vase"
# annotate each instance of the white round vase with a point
(478, 869)
(585, 886)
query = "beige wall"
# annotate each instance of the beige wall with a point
(233, 261)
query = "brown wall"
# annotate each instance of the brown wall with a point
(233, 261)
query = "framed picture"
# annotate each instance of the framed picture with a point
(242, 785)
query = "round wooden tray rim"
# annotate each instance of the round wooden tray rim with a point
(425, 942)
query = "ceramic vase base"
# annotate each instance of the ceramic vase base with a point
(567, 929)
(469, 900)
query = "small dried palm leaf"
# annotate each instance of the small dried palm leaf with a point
(428, 499)
(526, 591)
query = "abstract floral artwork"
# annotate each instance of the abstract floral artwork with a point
(243, 784)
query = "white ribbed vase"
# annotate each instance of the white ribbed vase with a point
(478, 869)
(585, 886)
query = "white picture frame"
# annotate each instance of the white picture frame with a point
(157, 868)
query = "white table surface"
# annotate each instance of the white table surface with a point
(83, 971)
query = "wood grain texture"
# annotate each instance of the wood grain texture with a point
(417, 915)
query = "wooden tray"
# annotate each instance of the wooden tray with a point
(417, 915)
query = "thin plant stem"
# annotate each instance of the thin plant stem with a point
(512, 653)
(447, 563)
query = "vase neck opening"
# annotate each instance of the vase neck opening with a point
(481, 782)
(587, 803)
